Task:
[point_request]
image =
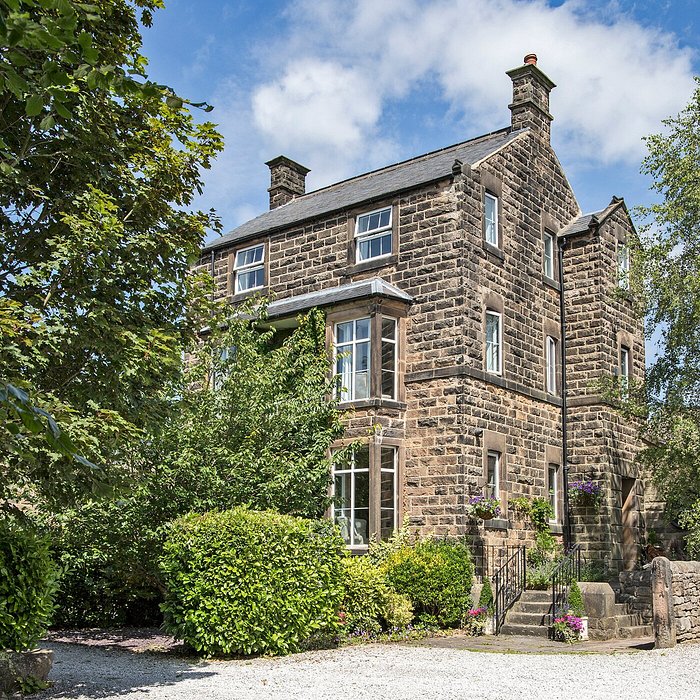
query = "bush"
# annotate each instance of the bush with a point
(576, 600)
(539, 575)
(399, 611)
(436, 576)
(365, 596)
(486, 596)
(247, 582)
(28, 582)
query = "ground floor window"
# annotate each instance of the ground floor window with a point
(365, 494)
(493, 475)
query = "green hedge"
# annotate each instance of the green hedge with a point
(436, 576)
(247, 582)
(28, 583)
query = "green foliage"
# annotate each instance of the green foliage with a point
(261, 438)
(98, 170)
(690, 520)
(668, 282)
(247, 582)
(436, 575)
(539, 573)
(28, 581)
(576, 599)
(365, 596)
(595, 571)
(520, 505)
(486, 596)
(379, 551)
(398, 611)
(541, 513)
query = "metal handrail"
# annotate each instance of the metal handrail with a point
(566, 571)
(509, 583)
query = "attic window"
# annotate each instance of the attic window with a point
(249, 269)
(373, 235)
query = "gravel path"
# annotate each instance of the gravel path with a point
(376, 671)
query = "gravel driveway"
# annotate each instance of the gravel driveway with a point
(376, 671)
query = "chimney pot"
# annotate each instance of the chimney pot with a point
(530, 59)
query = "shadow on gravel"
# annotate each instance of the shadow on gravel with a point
(110, 670)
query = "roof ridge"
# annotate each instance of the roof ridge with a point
(490, 134)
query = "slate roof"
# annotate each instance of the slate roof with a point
(374, 287)
(373, 185)
(585, 221)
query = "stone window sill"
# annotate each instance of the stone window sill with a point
(492, 250)
(374, 403)
(372, 264)
(556, 528)
(496, 524)
(551, 283)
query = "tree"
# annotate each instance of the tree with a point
(669, 262)
(253, 425)
(98, 169)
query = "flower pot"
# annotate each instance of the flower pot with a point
(584, 632)
(490, 625)
(485, 514)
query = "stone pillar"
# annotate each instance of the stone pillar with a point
(662, 602)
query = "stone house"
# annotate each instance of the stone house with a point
(443, 278)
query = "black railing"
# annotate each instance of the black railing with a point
(508, 584)
(489, 558)
(566, 571)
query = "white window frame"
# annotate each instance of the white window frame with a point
(389, 341)
(496, 455)
(553, 490)
(551, 352)
(499, 342)
(372, 234)
(395, 472)
(341, 348)
(548, 260)
(623, 265)
(491, 224)
(353, 471)
(250, 267)
(625, 366)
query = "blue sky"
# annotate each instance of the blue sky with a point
(344, 86)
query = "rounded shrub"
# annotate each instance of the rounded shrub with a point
(28, 583)
(364, 597)
(247, 582)
(436, 576)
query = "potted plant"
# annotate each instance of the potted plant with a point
(576, 608)
(484, 507)
(586, 493)
(567, 628)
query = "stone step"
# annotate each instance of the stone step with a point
(536, 596)
(526, 606)
(524, 630)
(523, 618)
(635, 632)
(621, 609)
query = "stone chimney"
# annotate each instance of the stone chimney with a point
(287, 180)
(530, 106)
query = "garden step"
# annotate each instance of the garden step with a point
(527, 618)
(635, 632)
(525, 630)
(532, 606)
(621, 609)
(536, 596)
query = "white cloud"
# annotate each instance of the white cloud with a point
(617, 79)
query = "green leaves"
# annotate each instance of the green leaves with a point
(245, 582)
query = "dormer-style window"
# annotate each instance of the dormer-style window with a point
(491, 219)
(249, 269)
(623, 265)
(373, 235)
(548, 241)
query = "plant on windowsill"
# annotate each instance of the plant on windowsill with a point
(585, 493)
(484, 507)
